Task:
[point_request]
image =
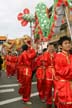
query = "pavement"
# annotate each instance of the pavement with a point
(9, 97)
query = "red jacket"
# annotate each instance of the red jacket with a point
(50, 66)
(41, 63)
(14, 62)
(26, 58)
(8, 59)
(63, 78)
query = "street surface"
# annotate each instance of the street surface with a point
(9, 97)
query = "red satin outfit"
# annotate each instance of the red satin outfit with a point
(49, 77)
(40, 75)
(8, 65)
(26, 59)
(19, 70)
(63, 80)
(13, 65)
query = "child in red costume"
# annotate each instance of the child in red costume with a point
(40, 75)
(63, 75)
(50, 73)
(26, 58)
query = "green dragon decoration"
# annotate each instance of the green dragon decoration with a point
(47, 24)
(44, 26)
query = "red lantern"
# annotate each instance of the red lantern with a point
(59, 3)
(19, 17)
(49, 36)
(55, 17)
(24, 22)
(26, 11)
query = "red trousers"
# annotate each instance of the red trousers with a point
(49, 84)
(8, 71)
(41, 88)
(25, 89)
(20, 76)
(13, 72)
(17, 74)
(64, 106)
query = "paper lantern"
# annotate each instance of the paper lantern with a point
(59, 3)
(24, 22)
(49, 36)
(19, 17)
(26, 11)
(55, 17)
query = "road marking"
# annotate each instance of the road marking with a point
(13, 85)
(15, 99)
(7, 90)
(9, 85)
(33, 83)
(34, 94)
(10, 100)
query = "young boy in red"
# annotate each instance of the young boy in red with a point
(63, 75)
(26, 58)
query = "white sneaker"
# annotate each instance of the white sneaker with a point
(29, 103)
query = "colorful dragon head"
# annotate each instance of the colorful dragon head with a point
(27, 39)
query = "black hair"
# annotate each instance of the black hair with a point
(49, 44)
(64, 38)
(44, 49)
(9, 52)
(24, 47)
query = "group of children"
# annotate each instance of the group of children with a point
(53, 73)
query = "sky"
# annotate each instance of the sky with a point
(9, 9)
